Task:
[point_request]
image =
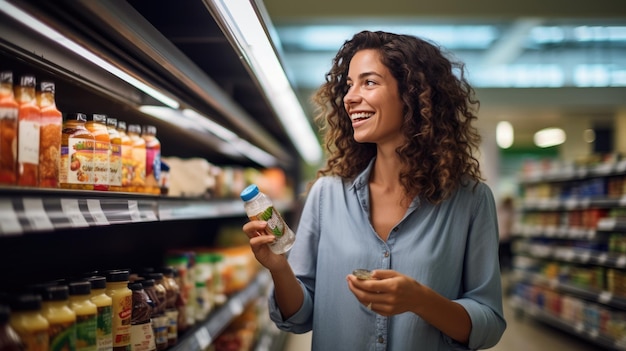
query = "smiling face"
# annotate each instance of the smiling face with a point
(373, 101)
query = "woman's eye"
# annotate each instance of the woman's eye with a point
(370, 82)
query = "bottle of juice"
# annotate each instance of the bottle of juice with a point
(61, 317)
(115, 157)
(86, 315)
(8, 129)
(77, 149)
(153, 160)
(97, 126)
(104, 305)
(27, 320)
(127, 157)
(117, 289)
(9, 339)
(138, 181)
(49, 137)
(28, 130)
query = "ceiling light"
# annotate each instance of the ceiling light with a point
(504, 134)
(549, 137)
(250, 35)
(59, 38)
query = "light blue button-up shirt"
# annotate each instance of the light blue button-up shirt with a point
(451, 247)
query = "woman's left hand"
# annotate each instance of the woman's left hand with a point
(387, 292)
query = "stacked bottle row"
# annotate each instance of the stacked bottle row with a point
(39, 149)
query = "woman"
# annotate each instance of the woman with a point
(401, 194)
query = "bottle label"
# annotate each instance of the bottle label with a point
(142, 337)
(159, 325)
(172, 327)
(275, 223)
(36, 340)
(121, 322)
(101, 163)
(115, 165)
(104, 328)
(86, 332)
(62, 336)
(77, 162)
(28, 142)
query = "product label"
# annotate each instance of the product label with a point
(172, 321)
(35, 340)
(115, 165)
(121, 321)
(142, 337)
(139, 167)
(62, 336)
(153, 164)
(101, 163)
(86, 332)
(104, 328)
(28, 142)
(275, 223)
(77, 162)
(8, 113)
(159, 325)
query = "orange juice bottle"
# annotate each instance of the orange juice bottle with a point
(29, 123)
(102, 147)
(138, 181)
(115, 157)
(49, 137)
(127, 156)
(77, 147)
(8, 129)
(153, 160)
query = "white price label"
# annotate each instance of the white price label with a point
(602, 258)
(71, 210)
(235, 306)
(605, 297)
(96, 212)
(9, 223)
(203, 338)
(133, 210)
(36, 214)
(621, 261)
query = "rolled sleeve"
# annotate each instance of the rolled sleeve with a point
(300, 322)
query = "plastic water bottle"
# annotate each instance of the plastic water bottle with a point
(259, 206)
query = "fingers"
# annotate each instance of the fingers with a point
(254, 228)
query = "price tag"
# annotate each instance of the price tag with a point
(621, 261)
(605, 297)
(580, 327)
(602, 258)
(9, 223)
(203, 338)
(236, 307)
(133, 210)
(36, 214)
(71, 210)
(585, 256)
(96, 212)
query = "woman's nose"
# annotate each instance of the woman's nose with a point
(351, 96)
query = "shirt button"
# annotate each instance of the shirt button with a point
(381, 339)
(386, 253)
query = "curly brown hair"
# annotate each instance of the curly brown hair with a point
(439, 108)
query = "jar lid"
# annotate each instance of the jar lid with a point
(249, 192)
(82, 287)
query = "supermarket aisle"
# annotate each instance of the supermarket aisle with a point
(522, 334)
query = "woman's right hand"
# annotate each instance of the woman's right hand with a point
(259, 243)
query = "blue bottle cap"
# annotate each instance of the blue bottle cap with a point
(249, 192)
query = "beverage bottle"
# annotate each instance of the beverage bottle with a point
(86, 315)
(28, 129)
(8, 129)
(9, 339)
(115, 157)
(160, 324)
(49, 137)
(55, 308)
(117, 289)
(127, 156)
(259, 206)
(27, 320)
(102, 148)
(138, 181)
(77, 149)
(141, 332)
(104, 306)
(153, 160)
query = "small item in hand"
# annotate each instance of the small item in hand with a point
(363, 274)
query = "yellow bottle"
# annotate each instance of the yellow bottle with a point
(61, 317)
(117, 289)
(28, 322)
(86, 315)
(104, 305)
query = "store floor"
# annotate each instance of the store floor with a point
(522, 334)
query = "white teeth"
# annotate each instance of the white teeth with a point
(360, 115)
